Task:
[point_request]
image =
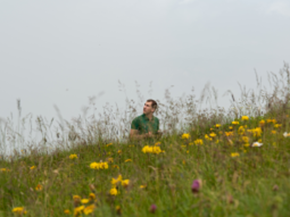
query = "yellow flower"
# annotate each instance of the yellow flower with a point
(229, 133)
(273, 131)
(245, 139)
(114, 182)
(39, 187)
(118, 210)
(116, 166)
(235, 123)
(158, 143)
(152, 149)
(85, 201)
(110, 160)
(230, 127)
(67, 212)
(109, 144)
(241, 130)
(217, 125)
(78, 210)
(143, 186)
(113, 191)
(262, 123)
(185, 136)
(198, 142)
(245, 118)
(128, 160)
(119, 151)
(33, 167)
(277, 125)
(104, 165)
(19, 210)
(89, 209)
(207, 137)
(286, 134)
(125, 182)
(76, 198)
(246, 144)
(97, 166)
(94, 166)
(73, 156)
(271, 121)
(235, 154)
(212, 134)
(3, 170)
(256, 131)
(92, 196)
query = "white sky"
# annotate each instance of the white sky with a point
(62, 52)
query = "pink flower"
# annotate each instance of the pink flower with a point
(196, 185)
(153, 208)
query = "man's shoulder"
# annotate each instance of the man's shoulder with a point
(138, 118)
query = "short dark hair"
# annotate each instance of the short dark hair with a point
(153, 103)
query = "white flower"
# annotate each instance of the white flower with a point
(286, 134)
(257, 144)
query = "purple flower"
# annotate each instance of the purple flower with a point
(153, 208)
(196, 185)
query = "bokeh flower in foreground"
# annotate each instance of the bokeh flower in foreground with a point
(73, 156)
(235, 154)
(125, 182)
(217, 125)
(153, 208)
(152, 149)
(39, 187)
(92, 196)
(97, 166)
(286, 134)
(158, 143)
(67, 211)
(32, 167)
(257, 144)
(19, 210)
(113, 191)
(245, 118)
(128, 160)
(235, 123)
(143, 186)
(185, 136)
(78, 210)
(198, 142)
(89, 209)
(118, 210)
(196, 185)
(85, 201)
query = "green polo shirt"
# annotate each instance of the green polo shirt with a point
(143, 125)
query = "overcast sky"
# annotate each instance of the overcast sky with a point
(62, 52)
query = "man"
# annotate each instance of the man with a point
(145, 125)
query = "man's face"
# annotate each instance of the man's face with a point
(147, 108)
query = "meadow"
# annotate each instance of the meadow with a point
(209, 162)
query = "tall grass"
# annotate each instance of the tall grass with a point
(49, 162)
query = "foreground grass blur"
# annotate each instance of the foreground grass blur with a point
(240, 168)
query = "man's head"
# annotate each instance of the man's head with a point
(149, 107)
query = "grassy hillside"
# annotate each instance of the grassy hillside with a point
(234, 176)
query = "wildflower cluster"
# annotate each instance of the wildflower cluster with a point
(152, 149)
(80, 208)
(119, 180)
(98, 166)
